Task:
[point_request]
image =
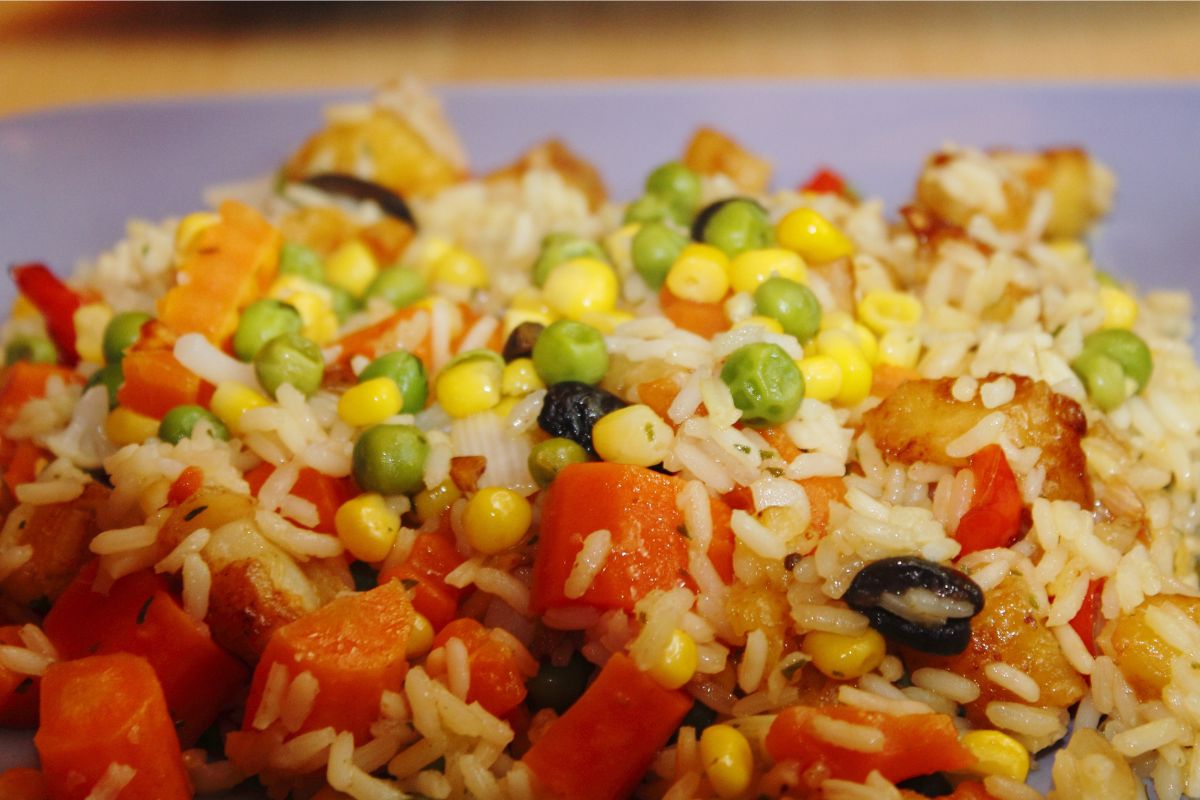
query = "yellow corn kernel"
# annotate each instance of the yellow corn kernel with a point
(856, 370)
(677, 664)
(22, 308)
(469, 387)
(997, 754)
(815, 238)
(190, 227)
(433, 502)
(727, 759)
(606, 322)
(370, 402)
(750, 269)
(496, 519)
(367, 526)
(515, 316)
(581, 286)
(232, 399)
(619, 246)
(312, 301)
(520, 378)
(125, 426)
(1070, 249)
(505, 407)
(699, 274)
(420, 637)
(459, 268)
(882, 311)
(900, 347)
(845, 657)
(90, 321)
(1120, 309)
(352, 267)
(822, 377)
(837, 321)
(771, 325)
(428, 254)
(632, 435)
(860, 335)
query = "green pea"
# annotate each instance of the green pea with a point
(547, 458)
(342, 302)
(407, 372)
(570, 351)
(654, 249)
(261, 322)
(179, 423)
(560, 247)
(1127, 349)
(35, 349)
(290, 358)
(559, 687)
(110, 376)
(765, 383)
(121, 333)
(737, 226)
(399, 286)
(1104, 378)
(296, 259)
(793, 305)
(648, 208)
(678, 186)
(390, 459)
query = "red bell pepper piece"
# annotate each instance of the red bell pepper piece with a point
(826, 181)
(994, 518)
(1084, 621)
(57, 303)
(187, 484)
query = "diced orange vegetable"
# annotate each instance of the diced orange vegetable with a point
(23, 381)
(658, 394)
(915, 744)
(23, 460)
(702, 319)
(229, 265)
(22, 783)
(323, 491)
(18, 693)
(381, 337)
(821, 492)
(1084, 621)
(354, 647)
(155, 383)
(186, 485)
(649, 545)
(497, 683)
(424, 573)
(108, 709)
(140, 616)
(779, 440)
(600, 748)
(994, 518)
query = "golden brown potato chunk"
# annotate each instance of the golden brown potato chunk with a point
(208, 508)
(554, 155)
(956, 186)
(918, 420)
(1008, 630)
(711, 152)
(1140, 653)
(1080, 189)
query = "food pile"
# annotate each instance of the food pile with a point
(383, 479)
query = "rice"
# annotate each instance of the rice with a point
(112, 782)
(588, 563)
(298, 701)
(1014, 680)
(847, 735)
(1023, 719)
(950, 685)
(197, 583)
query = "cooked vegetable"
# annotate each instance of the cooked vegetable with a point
(423, 575)
(548, 457)
(390, 459)
(571, 409)
(180, 422)
(122, 331)
(290, 358)
(407, 372)
(1108, 358)
(497, 682)
(35, 349)
(815, 238)
(111, 377)
(699, 274)
(18, 693)
(570, 351)
(733, 226)
(521, 341)
(261, 322)
(654, 249)
(678, 186)
(155, 382)
(304, 262)
(765, 383)
(399, 286)
(558, 248)
(581, 287)
(56, 302)
(496, 519)
(994, 518)
(702, 319)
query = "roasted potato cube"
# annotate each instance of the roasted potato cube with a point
(554, 155)
(711, 152)
(1081, 189)
(1140, 653)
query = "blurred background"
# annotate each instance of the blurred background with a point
(58, 53)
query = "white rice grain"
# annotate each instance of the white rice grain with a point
(191, 544)
(950, 685)
(1008, 677)
(588, 563)
(112, 782)
(754, 661)
(848, 735)
(1150, 736)
(197, 583)
(298, 701)
(458, 671)
(24, 661)
(986, 431)
(121, 540)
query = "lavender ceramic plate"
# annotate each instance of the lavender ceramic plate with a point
(69, 178)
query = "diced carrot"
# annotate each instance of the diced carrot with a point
(155, 383)
(354, 647)
(23, 463)
(600, 748)
(887, 377)
(424, 572)
(186, 485)
(649, 545)
(140, 616)
(23, 381)
(994, 518)
(739, 497)
(1084, 621)
(914, 744)
(702, 319)
(323, 491)
(22, 783)
(381, 337)
(497, 683)
(821, 492)
(230, 264)
(18, 693)
(107, 709)
(658, 394)
(779, 440)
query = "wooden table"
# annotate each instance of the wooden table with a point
(53, 54)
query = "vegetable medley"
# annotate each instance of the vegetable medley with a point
(389, 480)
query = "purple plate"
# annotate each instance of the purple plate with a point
(69, 178)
